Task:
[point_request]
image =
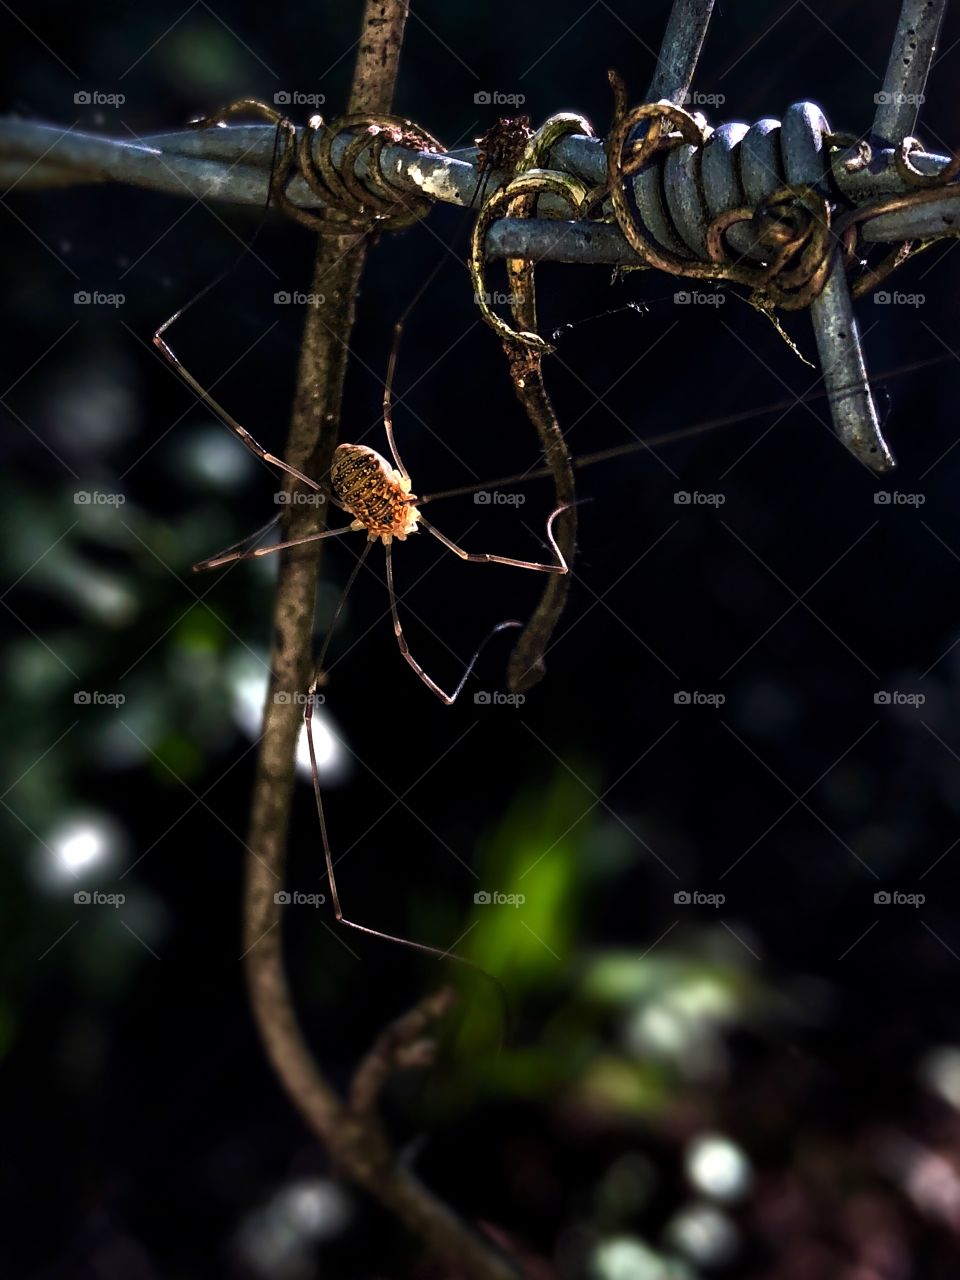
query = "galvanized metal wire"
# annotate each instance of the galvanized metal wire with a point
(231, 165)
(675, 194)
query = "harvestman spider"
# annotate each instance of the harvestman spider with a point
(379, 497)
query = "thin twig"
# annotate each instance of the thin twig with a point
(403, 1046)
(525, 666)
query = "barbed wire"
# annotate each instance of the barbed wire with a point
(663, 191)
(232, 165)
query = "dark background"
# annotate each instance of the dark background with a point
(144, 1134)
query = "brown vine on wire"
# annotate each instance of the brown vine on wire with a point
(792, 224)
(524, 350)
(927, 188)
(349, 204)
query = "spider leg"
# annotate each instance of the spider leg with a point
(485, 557)
(448, 698)
(388, 399)
(228, 555)
(218, 557)
(256, 449)
(410, 943)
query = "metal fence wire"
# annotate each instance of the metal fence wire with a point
(879, 186)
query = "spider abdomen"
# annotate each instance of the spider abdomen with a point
(373, 492)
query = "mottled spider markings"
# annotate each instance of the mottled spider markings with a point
(378, 495)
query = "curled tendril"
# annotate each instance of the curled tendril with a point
(848, 227)
(519, 199)
(925, 188)
(543, 140)
(912, 175)
(348, 199)
(793, 227)
(349, 203)
(840, 142)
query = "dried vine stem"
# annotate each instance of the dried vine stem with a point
(524, 352)
(352, 1135)
(525, 666)
(682, 41)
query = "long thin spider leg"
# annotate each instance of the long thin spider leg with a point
(412, 945)
(227, 419)
(485, 557)
(279, 166)
(388, 396)
(228, 557)
(479, 190)
(217, 557)
(409, 943)
(308, 722)
(448, 698)
(318, 666)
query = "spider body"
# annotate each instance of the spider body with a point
(377, 495)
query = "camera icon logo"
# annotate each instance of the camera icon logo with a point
(81, 698)
(482, 498)
(881, 298)
(282, 898)
(82, 98)
(482, 698)
(482, 897)
(882, 698)
(82, 498)
(81, 897)
(282, 298)
(681, 698)
(482, 98)
(681, 498)
(882, 498)
(682, 897)
(682, 297)
(882, 897)
(282, 98)
(283, 698)
(81, 298)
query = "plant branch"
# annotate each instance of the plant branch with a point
(526, 665)
(403, 1046)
